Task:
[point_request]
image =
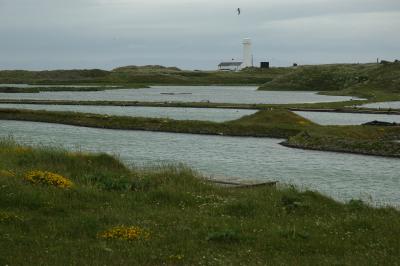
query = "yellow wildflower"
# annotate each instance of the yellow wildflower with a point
(48, 178)
(125, 233)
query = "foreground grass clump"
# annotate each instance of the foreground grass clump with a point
(6, 173)
(48, 178)
(191, 221)
(9, 217)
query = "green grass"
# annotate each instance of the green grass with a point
(321, 77)
(374, 144)
(53, 77)
(376, 82)
(148, 75)
(172, 76)
(189, 220)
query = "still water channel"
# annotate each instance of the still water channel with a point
(209, 114)
(342, 176)
(383, 105)
(216, 94)
(328, 118)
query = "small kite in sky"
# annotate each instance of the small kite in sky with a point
(238, 11)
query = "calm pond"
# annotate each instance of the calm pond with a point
(328, 118)
(216, 94)
(209, 114)
(342, 176)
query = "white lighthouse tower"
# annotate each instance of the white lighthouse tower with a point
(247, 53)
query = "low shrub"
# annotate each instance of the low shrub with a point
(48, 178)
(224, 236)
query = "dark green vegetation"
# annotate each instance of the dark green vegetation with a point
(276, 123)
(52, 77)
(367, 140)
(149, 75)
(190, 221)
(376, 82)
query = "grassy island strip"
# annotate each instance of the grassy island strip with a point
(277, 123)
(341, 107)
(59, 207)
(346, 105)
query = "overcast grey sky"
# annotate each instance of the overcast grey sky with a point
(194, 34)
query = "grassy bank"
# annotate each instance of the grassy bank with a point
(376, 82)
(352, 144)
(149, 75)
(366, 140)
(174, 218)
(275, 123)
